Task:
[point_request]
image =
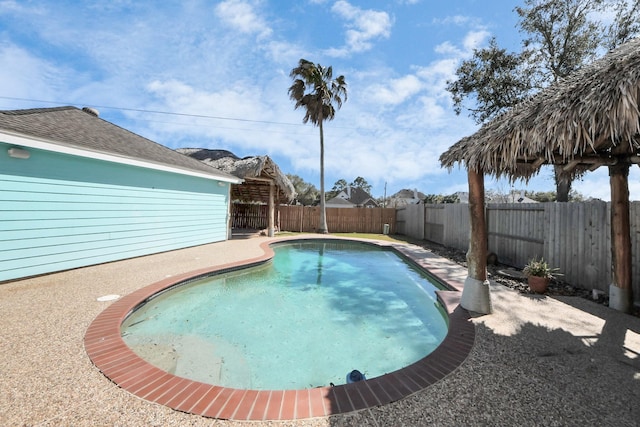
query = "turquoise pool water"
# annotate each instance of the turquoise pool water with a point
(316, 312)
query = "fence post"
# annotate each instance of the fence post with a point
(424, 221)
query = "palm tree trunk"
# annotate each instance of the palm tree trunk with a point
(322, 226)
(563, 184)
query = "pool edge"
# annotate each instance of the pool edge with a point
(109, 353)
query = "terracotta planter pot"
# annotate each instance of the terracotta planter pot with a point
(538, 284)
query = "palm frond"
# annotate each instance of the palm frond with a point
(315, 90)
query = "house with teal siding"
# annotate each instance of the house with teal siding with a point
(77, 190)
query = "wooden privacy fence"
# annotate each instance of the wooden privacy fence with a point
(306, 218)
(339, 220)
(249, 215)
(574, 237)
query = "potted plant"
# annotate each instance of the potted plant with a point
(538, 275)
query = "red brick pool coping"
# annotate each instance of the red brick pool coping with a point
(110, 354)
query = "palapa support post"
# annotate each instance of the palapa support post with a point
(229, 213)
(271, 226)
(476, 295)
(620, 290)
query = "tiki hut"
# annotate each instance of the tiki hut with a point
(263, 180)
(589, 120)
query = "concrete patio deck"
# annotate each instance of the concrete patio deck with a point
(536, 360)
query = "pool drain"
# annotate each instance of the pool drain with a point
(112, 297)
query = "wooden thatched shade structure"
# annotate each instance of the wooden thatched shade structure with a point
(589, 120)
(263, 180)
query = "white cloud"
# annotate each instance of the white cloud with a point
(476, 35)
(241, 16)
(363, 26)
(425, 113)
(472, 40)
(24, 75)
(395, 91)
(237, 101)
(457, 20)
(596, 184)
(448, 48)
(475, 39)
(283, 52)
(436, 75)
(388, 156)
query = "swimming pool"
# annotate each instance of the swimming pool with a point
(107, 350)
(316, 312)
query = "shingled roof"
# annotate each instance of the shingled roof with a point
(82, 129)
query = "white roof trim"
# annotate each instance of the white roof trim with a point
(41, 144)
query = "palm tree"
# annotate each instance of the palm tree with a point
(316, 91)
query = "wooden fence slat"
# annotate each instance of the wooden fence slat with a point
(249, 216)
(574, 237)
(339, 220)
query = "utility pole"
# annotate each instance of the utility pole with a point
(384, 198)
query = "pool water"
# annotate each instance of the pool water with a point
(316, 312)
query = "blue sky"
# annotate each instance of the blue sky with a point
(223, 67)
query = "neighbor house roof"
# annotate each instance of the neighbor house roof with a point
(590, 119)
(339, 201)
(355, 196)
(406, 193)
(256, 171)
(82, 132)
(360, 197)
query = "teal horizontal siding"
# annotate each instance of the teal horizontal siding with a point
(30, 247)
(73, 228)
(59, 212)
(122, 212)
(68, 260)
(57, 225)
(48, 254)
(53, 187)
(92, 205)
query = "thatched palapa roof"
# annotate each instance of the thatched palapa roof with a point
(588, 120)
(256, 171)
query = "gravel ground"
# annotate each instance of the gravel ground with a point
(513, 278)
(551, 360)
